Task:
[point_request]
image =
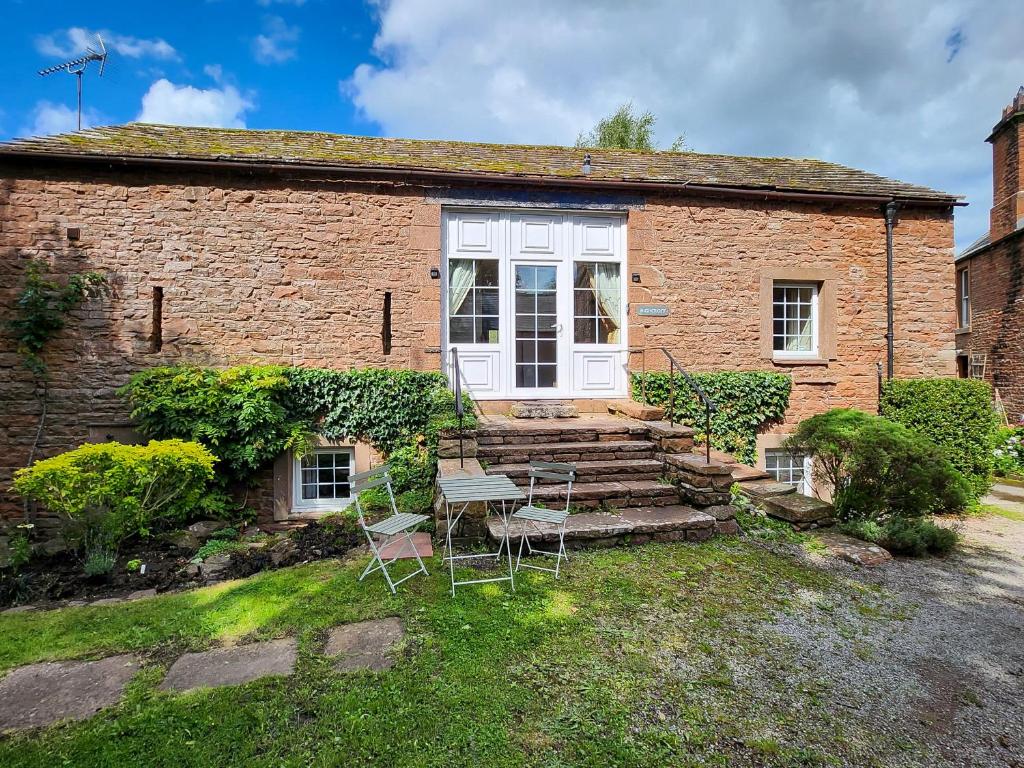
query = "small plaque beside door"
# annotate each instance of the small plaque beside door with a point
(651, 310)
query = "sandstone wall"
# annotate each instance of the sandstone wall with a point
(295, 271)
(997, 320)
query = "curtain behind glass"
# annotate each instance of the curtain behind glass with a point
(460, 283)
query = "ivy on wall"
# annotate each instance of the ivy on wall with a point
(250, 414)
(747, 402)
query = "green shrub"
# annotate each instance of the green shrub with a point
(240, 414)
(1008, 451)
(747, 402)
(106, 492)
(904, 536)
(955, 414)
(879, 469)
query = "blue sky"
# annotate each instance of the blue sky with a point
(908, 90)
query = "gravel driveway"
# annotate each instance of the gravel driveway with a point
(943, 683)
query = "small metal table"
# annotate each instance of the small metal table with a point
(459, 493)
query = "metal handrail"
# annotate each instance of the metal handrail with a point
(460, 408)
(709, 406)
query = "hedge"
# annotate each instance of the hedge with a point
(956, 414)
(747, 402)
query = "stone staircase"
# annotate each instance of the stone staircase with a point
(622, 492)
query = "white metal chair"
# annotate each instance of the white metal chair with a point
(531, 516)
(399, 524)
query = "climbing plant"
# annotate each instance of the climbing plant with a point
(747, 402)
(41, 310)
(250, 414)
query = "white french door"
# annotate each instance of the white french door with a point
(535, 303)
(539, 352)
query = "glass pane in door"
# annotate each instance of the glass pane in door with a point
(536, 289)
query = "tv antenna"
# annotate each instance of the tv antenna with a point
(77, 67)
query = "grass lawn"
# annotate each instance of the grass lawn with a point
(636, 657)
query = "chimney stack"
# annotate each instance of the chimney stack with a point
(1007, 141)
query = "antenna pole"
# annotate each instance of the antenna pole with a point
(78, 73)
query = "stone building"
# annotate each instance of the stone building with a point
(990, 275)
(553, 271)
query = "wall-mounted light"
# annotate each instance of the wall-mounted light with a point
(74, 233)
(435, 273)
(636, 277)
(586, 164)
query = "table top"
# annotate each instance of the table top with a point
(483, 488)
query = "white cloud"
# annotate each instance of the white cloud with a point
(276, 44)
(908, 90)
(73, 41)
(48, 118)
(169, 103)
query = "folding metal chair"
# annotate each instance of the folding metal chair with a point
(531, 516)
(399, 524)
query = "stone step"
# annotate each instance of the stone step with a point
(521, 431)
(628, 526)
(544, 409)
(802, 512)
(620, 469)
(599, 450)
(742, 472)
(609, 493)
(634, 410)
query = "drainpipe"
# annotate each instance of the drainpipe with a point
(890, 221)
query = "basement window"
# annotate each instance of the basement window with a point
(321, 479)
(790, 468)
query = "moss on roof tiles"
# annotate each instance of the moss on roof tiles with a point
(142, 140)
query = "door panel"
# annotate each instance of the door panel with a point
(537, 326)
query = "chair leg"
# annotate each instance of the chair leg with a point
(408, 538)
(522, 538)
(561, 549)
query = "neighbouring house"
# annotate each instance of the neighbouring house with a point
(990, 275)
(553, 271)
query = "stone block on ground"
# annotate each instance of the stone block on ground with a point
(204, 529)
(42, 694)
(721, 512)
(634, 410)
(741, 472)
(727, 528)
(544, 410)
(657, 519)
(365, 645)
(231, 666)
(854, 550)
(399, 549)
(798, 509)
(757, 490)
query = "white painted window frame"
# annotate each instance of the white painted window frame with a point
(964, 315)
(300, 504)
(814, 352)
(806, 485)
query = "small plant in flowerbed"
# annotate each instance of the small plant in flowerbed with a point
(887, 479)
(753, 522)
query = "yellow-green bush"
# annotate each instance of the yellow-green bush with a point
(111, 491)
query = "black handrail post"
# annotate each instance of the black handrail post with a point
(671, 392)
(707, 434)
(460, 410)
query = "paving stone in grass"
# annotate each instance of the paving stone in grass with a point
(366, 645)
(41, 694)
(230, 666)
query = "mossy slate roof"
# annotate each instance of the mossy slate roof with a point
(256, 147)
